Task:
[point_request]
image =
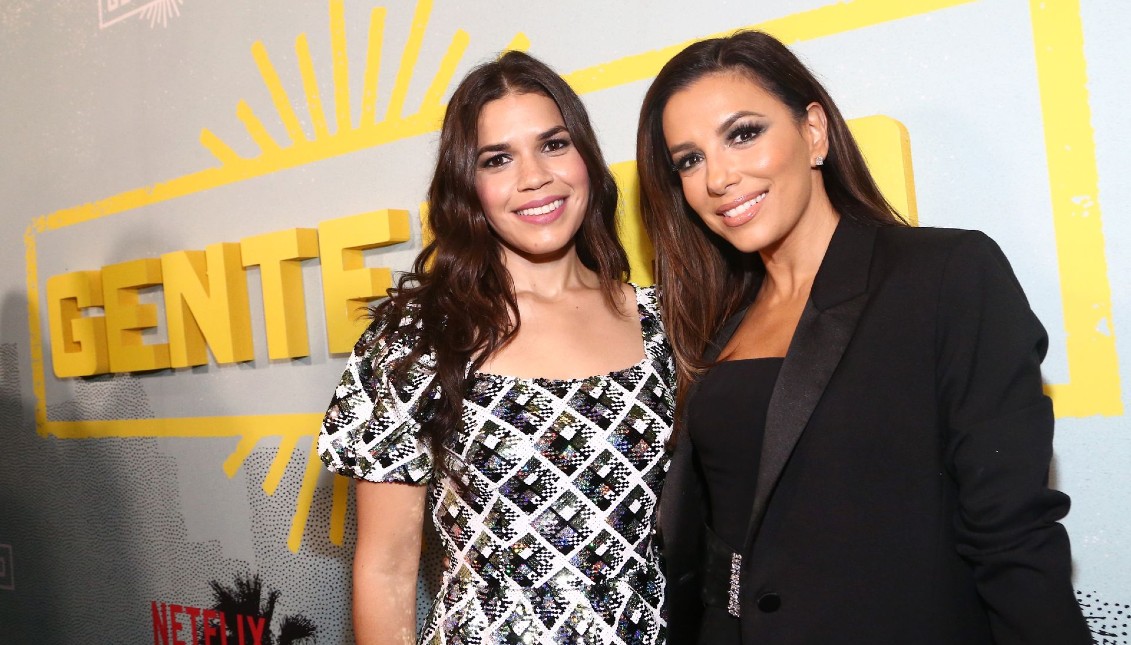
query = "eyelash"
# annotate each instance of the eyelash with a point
(686, 162)
(550, 146)
(750, 131)
(494, 161)
(559, 144)
(739, 134)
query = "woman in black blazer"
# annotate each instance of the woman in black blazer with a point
(864, 450)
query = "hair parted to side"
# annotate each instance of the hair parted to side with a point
(459, 289)
(704, 278)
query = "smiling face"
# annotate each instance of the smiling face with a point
(746, 162)
(532, 182)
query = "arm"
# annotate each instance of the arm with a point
(370, 432)
(1000, 428)
(390, 520)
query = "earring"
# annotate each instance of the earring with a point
(819, 161)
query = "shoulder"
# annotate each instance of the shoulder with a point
(392, 335)
(647, 298)
(929, 237)
(648, 303)
(946, 249)
(652, 329)
(964, 272)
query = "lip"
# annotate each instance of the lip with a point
(540, 202)
(748, 214)
(543, 218)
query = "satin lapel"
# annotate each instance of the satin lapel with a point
(826, 326)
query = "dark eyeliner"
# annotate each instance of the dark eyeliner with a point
(489, 161)
(682, 163)
(748, 131)
(561, 143)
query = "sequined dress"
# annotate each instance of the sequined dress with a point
(552, 540)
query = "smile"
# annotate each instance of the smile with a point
(744, 206)
(541, 210)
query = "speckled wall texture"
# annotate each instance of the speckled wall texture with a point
(140, 487)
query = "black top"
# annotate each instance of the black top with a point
(726, 423)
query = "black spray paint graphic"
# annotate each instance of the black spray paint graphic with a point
(242, 614)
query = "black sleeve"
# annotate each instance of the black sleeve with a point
(990, 346)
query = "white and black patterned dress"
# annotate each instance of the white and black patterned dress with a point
(552, 542)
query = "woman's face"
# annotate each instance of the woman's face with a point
(744, 160)
(532, 182)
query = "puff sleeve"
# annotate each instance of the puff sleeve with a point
(1000, 427)
(371, 430)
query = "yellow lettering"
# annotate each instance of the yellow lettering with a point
(126, 317)
(206, 300)
(886, 147)
(347, 284)
(78, 343)
(279, 256)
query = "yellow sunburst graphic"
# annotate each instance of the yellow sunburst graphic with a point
(346, 135)
(1093, 384)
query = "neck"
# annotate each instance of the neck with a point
(792, 264)
(548, 277)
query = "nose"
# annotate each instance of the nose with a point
(533, 174)
(720, 175)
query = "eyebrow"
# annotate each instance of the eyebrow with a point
(503, 147)
(721, 130)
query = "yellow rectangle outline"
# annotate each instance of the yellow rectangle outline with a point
(816, 23)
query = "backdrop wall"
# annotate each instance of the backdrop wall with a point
(195, 195)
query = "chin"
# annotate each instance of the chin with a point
(745, 243)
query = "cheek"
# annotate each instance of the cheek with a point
(693, 191)
(785, 156)
(575, 173)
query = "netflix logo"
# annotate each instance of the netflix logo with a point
(182, 625)
(242, 613)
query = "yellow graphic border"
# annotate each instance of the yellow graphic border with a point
(1093, 387)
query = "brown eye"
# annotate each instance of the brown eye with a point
(494, 161)
(687, 162)
(556, 145)
(744, 133)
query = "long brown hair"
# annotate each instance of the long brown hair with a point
(458, 289)
(704, 278)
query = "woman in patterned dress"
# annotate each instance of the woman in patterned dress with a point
(512, 387)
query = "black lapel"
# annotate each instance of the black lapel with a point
(827, 323)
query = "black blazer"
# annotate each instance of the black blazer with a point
(902, 493)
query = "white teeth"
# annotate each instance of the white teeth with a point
(541, 210)
(744, 206)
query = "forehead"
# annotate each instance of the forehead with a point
(712, 98)
(516, 115)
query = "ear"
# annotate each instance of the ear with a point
(815, 126)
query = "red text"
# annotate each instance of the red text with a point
(175, 624)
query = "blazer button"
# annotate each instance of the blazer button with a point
(769, 602)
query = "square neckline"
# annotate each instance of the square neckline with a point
(645, 323)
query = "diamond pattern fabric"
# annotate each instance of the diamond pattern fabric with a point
(551, 540)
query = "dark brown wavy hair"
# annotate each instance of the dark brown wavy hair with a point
(704, 278)
(458, 288)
